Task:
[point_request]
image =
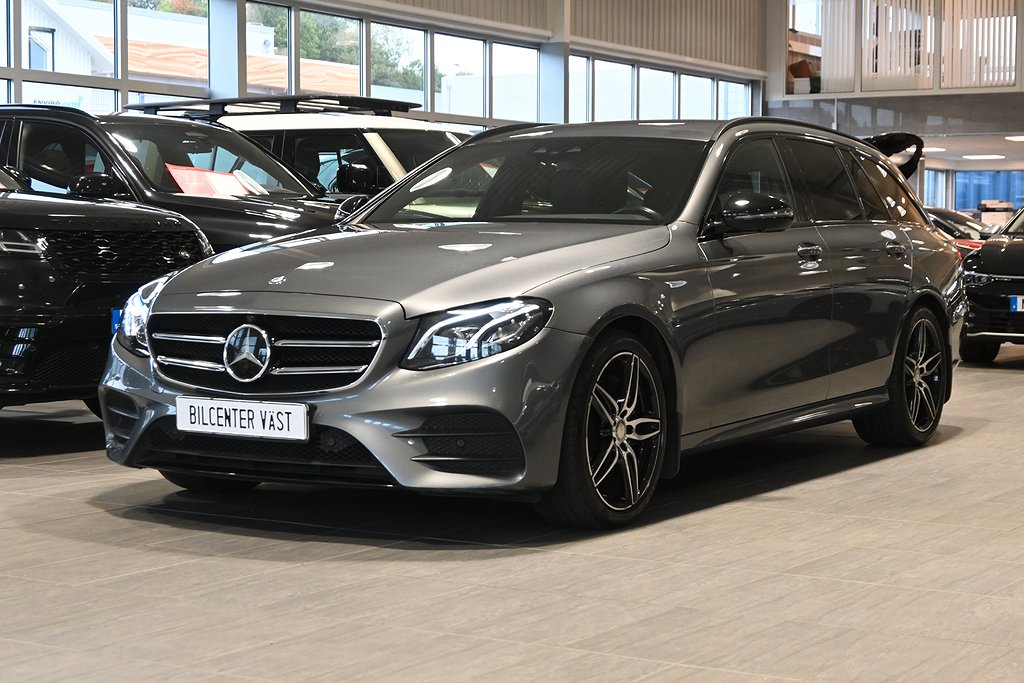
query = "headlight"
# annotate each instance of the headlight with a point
(18, 243)
(131, 333)
(974, 278)
(465, 334)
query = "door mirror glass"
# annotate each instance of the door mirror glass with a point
(755, 212)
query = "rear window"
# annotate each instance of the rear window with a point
(612, 180)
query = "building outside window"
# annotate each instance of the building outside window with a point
(266, 47)
(656, 96)
(396, 63)
(330, 53)
(459, 75)
(168, 42)
(514, 72)
(40, 48)
(696, 97)
(68, 36)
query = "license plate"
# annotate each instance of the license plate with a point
(115, 320)
(1017, 304)
(229, 417)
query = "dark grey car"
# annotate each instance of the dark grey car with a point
(558, 313)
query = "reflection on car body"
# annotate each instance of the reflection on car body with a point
(559, 313)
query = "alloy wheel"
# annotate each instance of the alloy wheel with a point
(624, 431)
(922, 375)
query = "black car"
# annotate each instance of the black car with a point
(994, 276)
(66, 268)
(967, 233)
(233, 189)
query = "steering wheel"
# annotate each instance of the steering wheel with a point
(641, 210)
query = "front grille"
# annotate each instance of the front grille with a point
(330, 455)
(470, 443)
(72, 363)
(307, 353)
(85, 254)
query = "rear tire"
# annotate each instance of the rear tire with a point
(209, 485)
(978, 351)
(917, 387)
(614, 440)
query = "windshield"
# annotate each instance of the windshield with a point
(185, 158)
(415, 147)
(573, 180)
(1016, 224)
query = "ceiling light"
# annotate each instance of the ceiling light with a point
(1015, 138)
(926, 150)
(983, 157)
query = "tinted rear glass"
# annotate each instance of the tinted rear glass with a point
(829, 190)
(612, 180)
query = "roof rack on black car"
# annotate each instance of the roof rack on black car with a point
(213, 109)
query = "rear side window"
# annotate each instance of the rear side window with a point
(830, 194)
(898, 202)
(874, 207)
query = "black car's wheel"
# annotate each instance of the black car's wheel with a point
(978, 351)
(614, 439)
(917, 387)
(209, 485)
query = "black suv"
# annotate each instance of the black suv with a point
(66, 268)
(233, 189)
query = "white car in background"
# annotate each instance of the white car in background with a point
(348, 144)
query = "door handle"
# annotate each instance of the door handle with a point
(895, 248)
(808, 251)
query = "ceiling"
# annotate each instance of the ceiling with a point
(956, 146)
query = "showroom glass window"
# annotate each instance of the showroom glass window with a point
(53, 155)
(613, 91)
(266, 47)
(92, 100)
(514, 71)
(733, 100)
(69, 36)
(397, 56)
(329, 53)
(829, 190)
(459, 75)
(656, 97)
(696, 97)
(4, 31)
(935, 188)
(579, 89)
(168, 42)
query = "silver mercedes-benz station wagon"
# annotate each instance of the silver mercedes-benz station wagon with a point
(558, 313)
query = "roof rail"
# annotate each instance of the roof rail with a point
(213, 109)
(49, 107)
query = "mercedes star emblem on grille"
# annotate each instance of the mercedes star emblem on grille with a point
(247, 353)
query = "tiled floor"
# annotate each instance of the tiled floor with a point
(804, 557)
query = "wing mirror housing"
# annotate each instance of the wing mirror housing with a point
(97, 186)
(755, 212)
(356, 179)
(350, 205)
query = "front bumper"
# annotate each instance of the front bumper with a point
(52, 356)
(492, 425)
(989, 317)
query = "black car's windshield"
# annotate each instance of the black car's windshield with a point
(186, 158)
(578, 179)
(415, 147)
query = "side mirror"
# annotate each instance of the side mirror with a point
(97, 186)
(355, 179)
(19, 175)
(755, 212)
(350, 205)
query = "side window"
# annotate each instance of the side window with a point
(830, 195)
(874, 207)
(901, 207)
(321, 156)
(753, 167)
(52, 155)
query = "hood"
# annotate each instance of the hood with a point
(423, 269)
(26, 210)
(1000, 255)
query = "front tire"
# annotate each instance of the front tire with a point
(917, 387)
(614, 441)
(209, 485)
